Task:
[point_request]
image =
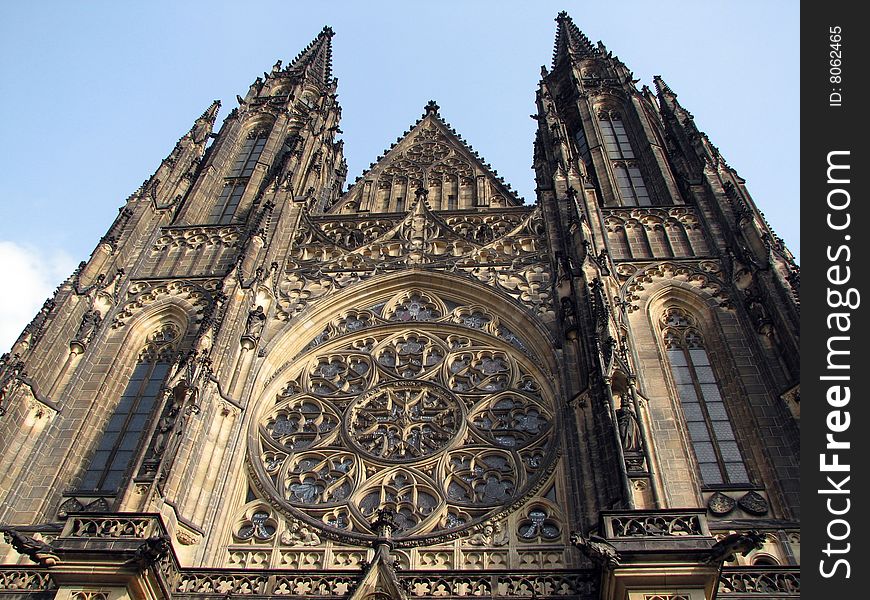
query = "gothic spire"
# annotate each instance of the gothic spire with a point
(316, 59)
(570, 41)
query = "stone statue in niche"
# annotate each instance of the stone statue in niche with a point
(629, 431)
(90, 323)
(255, 322)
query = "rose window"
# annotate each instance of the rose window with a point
(402, 422)
(445, 423)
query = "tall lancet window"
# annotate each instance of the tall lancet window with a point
(719, 458)
(224, 210)
(126, 427)
(626, 168)
(250, 153)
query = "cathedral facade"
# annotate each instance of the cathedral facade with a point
(266, 383)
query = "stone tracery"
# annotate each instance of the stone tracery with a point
(445, 422)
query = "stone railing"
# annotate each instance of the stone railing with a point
(655, 524)
(130, 526)
(24, 581)
(760, 582)
(205, 584)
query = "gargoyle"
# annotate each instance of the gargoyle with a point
(150, 551)
(743, 542)
(39, 552)
(597, 549)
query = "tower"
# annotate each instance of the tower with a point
(261, 383)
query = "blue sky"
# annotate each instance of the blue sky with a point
(94, 94)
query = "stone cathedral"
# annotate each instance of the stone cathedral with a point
(265, 382)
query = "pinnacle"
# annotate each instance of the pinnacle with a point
(570, 40)
(211, 112)
(661, 86)
(316, 59)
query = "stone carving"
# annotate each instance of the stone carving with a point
(88, 327)
(704, 275)
(444, 429)
(113, 527)
(656, 525)
(150, 551)
(404, 421)
(298, 534)
(597, 549)
(720, 505)
(255, 322)
(753, 503)
(757, 581)
(727, 548)
(193, 238)
(492, 534)
(513, 262)
(36, 550)
(629, 431)
(25, 580)
(198, 294)
(258, 527)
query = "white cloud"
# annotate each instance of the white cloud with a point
(28, 276)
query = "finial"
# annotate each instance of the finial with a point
(563, 14)
(327, 30)
(384, 522)
(431, 108)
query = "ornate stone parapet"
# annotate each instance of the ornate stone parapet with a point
(18, 582)
(755, 582)
(654, 524)
(112, 526)
(566, 584)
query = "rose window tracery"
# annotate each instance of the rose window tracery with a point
(443, 421)
(399, 422)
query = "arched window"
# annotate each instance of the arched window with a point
(223, 211)
(250, 153)
(629, 181)
(125, 429)
(710, 430)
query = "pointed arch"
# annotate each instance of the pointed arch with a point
(149, 346)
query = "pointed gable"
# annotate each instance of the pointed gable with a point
(433, 157)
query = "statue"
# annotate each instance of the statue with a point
(255, 323)
(90, 323)
(629, 431)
